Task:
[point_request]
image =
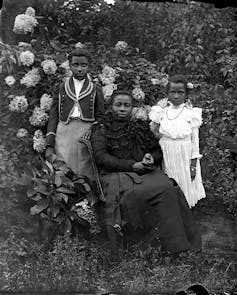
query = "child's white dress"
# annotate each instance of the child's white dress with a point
(179, 139)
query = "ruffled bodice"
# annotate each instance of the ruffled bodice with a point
(176, 123)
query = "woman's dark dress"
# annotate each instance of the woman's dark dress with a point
(141, 204)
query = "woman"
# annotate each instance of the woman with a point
(140, 199)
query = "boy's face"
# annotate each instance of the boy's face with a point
(177, 93)
(79, 66)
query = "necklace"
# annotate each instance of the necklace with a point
(176, 116)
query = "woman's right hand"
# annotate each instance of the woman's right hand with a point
(49, 153)
(138, 167)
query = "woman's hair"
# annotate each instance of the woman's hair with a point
(178, 78)
(79, 52)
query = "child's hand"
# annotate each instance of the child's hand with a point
(193, 168)
(87, 135)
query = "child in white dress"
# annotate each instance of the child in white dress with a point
(177, 124)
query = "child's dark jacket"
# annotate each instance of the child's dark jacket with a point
(90, 104)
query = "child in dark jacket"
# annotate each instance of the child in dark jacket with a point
(78, 105)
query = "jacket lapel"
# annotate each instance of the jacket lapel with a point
(86, 88)
(70, 89)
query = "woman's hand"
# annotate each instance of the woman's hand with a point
(138, 167)
(148, 160)
(193, 168)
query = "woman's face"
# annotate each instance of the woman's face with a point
(122, 105)
(177, 93)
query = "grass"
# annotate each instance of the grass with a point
(81, 266)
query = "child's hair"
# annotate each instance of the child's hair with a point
(79, 52)
(178, 78)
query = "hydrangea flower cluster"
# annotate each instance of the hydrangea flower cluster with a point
(18, 104)
(46, 102)
(25, 23)
(27, 58)
(107, 77)
(121, 45)
(138, 94)
(22, 133)
(39, 117)
(141, 113)
(10, 81)
(108, 90)
(31, 78)
(49, 66)
(84, 211)
(39, 142)
(160, 79)
(65, 65)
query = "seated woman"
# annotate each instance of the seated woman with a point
(140, 199)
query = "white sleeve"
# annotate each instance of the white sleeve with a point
(195, 143)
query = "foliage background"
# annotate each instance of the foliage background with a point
(195, 39)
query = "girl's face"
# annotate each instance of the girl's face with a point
(79, 66)
(177, 93)
(122, 105)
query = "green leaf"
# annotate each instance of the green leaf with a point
(65, 190)
(40, 206)
(57, 180)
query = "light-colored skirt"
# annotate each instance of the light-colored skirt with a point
(177, 161)
(70, 150)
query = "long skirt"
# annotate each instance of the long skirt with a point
(70, 150)
(177, 161)
(150, 203)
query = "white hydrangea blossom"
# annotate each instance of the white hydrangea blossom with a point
(18, 104)
(39, 118)
(31, 78)
(138, 94)
(141, 113)
(84, 211)
(22, 133)
(108, 75)
(108, 90)
(49, 66)
(46, 102)
(190, 85)
(27, 58)
(79, 45)
(30, 11)
(121, 45)
(160, 79)
(39, 141)
(10, 81)
(65, 65)
(24, 24)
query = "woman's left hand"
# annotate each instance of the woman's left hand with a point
(148, 160)
(193, 168)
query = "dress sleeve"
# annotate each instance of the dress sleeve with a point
(103, 158)
(156, 114)
(196, 122)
